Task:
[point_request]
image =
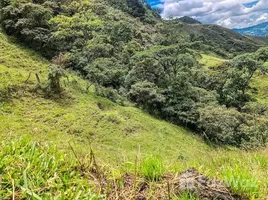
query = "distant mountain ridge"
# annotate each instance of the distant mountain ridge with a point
(257, 30)
(189, 20)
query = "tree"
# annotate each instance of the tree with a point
(121, 32)
(239, 74)
(29, 22)
(222, 125)
(147, 95)
(76, 30)
(145, 69)
(262, 54)
(106, 72)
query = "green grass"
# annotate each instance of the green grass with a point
(40, 171)
(152, 168)
(116, 134)
(210, 61)
(260, 82)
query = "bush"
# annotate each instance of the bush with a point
(54, 76)
(222, 125)
(147, 96)
(110, 94)
(29, 22)
(228, 126)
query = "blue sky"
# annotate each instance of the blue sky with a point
(228, 13)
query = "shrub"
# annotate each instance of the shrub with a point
(54, 76)
(110, 94)
(147, 96)
(221, 125)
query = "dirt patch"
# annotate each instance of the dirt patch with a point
(174, 185)
(201, 186)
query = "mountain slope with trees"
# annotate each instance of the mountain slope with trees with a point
(260, 30)
(50, 136)
(102, 57)
(128, 53)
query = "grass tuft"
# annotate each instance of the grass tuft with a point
(152, 168)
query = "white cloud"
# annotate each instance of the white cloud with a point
(229, 13)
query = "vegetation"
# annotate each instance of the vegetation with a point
(205, 78)
(129, 52)
(124, 137)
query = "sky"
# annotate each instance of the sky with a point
(228, 13)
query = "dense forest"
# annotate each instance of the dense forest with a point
(129, 53)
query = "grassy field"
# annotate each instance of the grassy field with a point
(42, 138)
(210, 61)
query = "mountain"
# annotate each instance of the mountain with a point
(189, 20)
(258, 30)
(223, 41)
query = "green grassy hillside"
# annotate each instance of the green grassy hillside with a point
(116, 134)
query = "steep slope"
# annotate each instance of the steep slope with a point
(258, 30)
(78, 115)
(116, 134)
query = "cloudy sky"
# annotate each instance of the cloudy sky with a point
(228, 13)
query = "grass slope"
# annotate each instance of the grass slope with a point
(116, 134)
(210, 61)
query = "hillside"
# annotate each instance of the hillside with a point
(116, 134)
(259, 30)
(103, 99)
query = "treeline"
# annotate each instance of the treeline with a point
(128, 52)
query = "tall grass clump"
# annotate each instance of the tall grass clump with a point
(186, 196)
(242, 182)
(152, 168)
(30, 170)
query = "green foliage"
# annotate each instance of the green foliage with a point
(145, 69)
(54, 76)
(109, 93)
(262, 54)
(222, 125)
(121, 32)
(242, 69)
(106, 72)
(28, 22)
(136, 8)
(76, 29)
(116, 135)
(126, 51)
(147, 96)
